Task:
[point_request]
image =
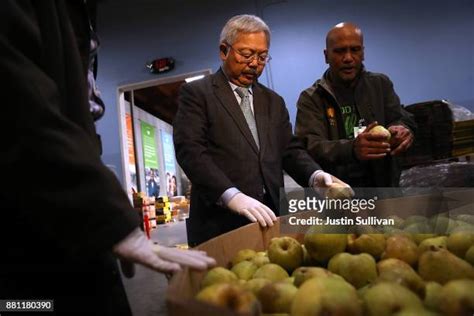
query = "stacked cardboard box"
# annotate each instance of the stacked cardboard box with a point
(163, 210)
(145, 205)
(434, 135)
(463, 138)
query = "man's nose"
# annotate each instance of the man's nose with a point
(347, 58)
(254, 63)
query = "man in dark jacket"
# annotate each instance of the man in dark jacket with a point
(60, 239)
(335, 109)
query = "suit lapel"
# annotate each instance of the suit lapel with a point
(227, 98)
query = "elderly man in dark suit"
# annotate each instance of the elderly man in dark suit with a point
(233, 138)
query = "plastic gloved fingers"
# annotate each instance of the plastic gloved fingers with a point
(269, 212)
(164, 266)
(185, 258)
(268, 220)
(258, 216)
(198, 255)
(327, 179)
(249, 215)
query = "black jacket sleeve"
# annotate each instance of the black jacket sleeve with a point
(54, 187)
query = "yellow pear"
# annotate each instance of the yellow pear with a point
(326, 296)
(401, 247)
(244, 254)
(286, 252)
(383, 298)
(442, 266)
(272, 272)
(231, 296)
(218, 275)
(359, 270)
(457, 298)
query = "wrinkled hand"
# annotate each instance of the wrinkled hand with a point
(368, 146)
(252, 209)
(401, 139)
(136, 248)
(323, 181)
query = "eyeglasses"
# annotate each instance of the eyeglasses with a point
(262, 59)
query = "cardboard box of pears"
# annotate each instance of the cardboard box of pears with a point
(400, 270)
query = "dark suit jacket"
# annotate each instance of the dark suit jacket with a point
(215, 148)
(56, 237)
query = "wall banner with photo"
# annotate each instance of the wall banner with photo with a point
(170, 165)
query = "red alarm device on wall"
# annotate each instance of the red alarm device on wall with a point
(161, 65)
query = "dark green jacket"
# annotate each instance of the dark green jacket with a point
(319, 123)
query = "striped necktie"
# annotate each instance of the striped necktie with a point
(247, 110)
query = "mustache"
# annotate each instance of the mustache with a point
(250, 71)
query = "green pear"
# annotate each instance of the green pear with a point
(290, 280)
(359, 270)
(389, 231)
(260, 259)
(277, 297)
(244, 254)
(231, 296)
(467, 218)
(385, 298)
(398, 271)
(361, 291)
(339, 191)
(323, 242)
(433, 295)
(244, 269)
(438, 242)
(413, 219)
(218, 275)
(402, 248)
(457, 297)
(303, 274)
(373, 244)
(416, 312)
(307, 260)
(398, 221)
(326, 296)
(420, 231)
(470, 255)
(442, 224)
(379, 130)
(460, 241)
(442, 266)
(286, 252)
(272, 272)
(256, 284)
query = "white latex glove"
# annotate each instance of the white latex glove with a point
(323, 180)
(252, 209)
(136, 248)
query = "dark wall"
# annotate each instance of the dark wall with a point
(425, 47)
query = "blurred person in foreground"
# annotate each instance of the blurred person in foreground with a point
(61, 240)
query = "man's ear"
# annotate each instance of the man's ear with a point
(326, 56)
(363, 54)
(224, 49)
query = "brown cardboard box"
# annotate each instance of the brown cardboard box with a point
(184, 285)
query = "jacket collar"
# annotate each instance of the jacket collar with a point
(362, 108)
(227, 98)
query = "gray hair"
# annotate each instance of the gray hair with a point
(244, 23)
